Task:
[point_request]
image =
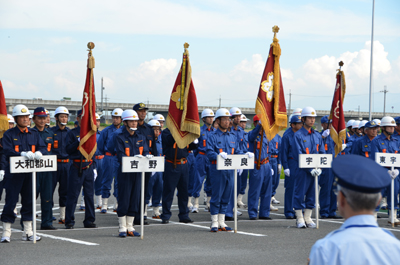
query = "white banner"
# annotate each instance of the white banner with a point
(235, 162)
(315, 160)
(387, 159)
(142, 164)
(21, 164)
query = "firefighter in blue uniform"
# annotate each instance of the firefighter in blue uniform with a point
(44, 181)
(202, 162)
(63, 163)
(363, 147)
(11, 123)
(397, 128)
(260, 181)
(221, 143)
(81, 174)
(20, 141)
(99, 158)
(110, 163)
(275, 163)
(306, 141)
(245, 173)
(289, 164)
(129, 142)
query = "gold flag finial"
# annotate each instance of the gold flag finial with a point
(90, 46)
(186, 45)
(275, 29)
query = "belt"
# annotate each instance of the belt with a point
(63, 160)
(178, 162)
(202, 153)
(83, 160)
(262, 162)
(99, 157)
(214, 162)
(109, 154)
(274, 156)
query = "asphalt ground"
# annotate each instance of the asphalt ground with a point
(275, 241)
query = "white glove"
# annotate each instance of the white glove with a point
(138, 156)
(95, 174)
(79, 139)
(319, 171)
(29, 155)
(279, 168)
(240, 171)
(314, 172)
(250, 154)
(38, 155)
(272, 171)
(326, 133)
(287, 172)
(223, 155)
(396, 172)
(2, 173)
(393, 173)
(344, 146)
(259, 121)
(149, 156)
(196, 141)
(153, 173)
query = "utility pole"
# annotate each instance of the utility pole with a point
(102, 88)
(384, 100)
(106, 110)
(372, 57)
(219, 101)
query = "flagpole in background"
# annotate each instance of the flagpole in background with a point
(372, 57)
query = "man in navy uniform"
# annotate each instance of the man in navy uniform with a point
(359, 240)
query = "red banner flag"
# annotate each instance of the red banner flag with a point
(88, 144)
(338, 129)
(270, 104)
(183, 115)
(3, 112)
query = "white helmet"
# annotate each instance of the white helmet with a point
(356, 124)
(362, 124)
(47, 112)
(20, 110)
(61, 110)
(243, 118)
(154, 123)
(235, 111)
(129, 115)
(377, 121)
(297, 111)
(10, 118)
(118, 113)
(222, 113)
(97, 116)
(207, 113)
(349, 123)
(308, 112)
(159, 117)
(388, 121)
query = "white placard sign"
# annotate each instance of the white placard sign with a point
(235, 162)
(21, 164)
(315, 160)
(142, 164)
(387, 159)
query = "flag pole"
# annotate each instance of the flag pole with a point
(372, 57)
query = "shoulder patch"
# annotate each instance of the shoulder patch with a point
(304, 141)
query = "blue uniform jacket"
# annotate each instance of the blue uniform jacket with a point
(381, 144)
(363, 147)
(73, 144)
(274, 146)
(60, 142)
(204, 138)
(239, 132)
(222, 142)
(104, 138)
(148, 132)
(168, 147)
(129, 145)
(254, 144)
(112, 143)
(286, 147)
(47, 136)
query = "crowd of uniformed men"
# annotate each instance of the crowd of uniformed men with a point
(185, 169)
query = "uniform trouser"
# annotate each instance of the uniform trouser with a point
(175, 178)
(202, 170)
(260, 189)
(276, 177)
(396, 194)
(75, 183)
(304, 190)
(99, 179)
(222, 189)
(192, 174)
(325, 181)
(1, 187)
(333, 201)
(15, 185)
(44, 187)
(231, 203)
(154, 191)
(289, 189)
(110, 169)
(129, 194)
(61, 176)
(243, 181)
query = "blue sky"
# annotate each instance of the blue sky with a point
(139, 46)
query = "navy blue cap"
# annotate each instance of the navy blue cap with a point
(360, 174)
(40, 112)
(295, 119)
(140, 106)
(76, 123)
(397, 120)
(325, 119)
(79, 113)
(371, 124)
